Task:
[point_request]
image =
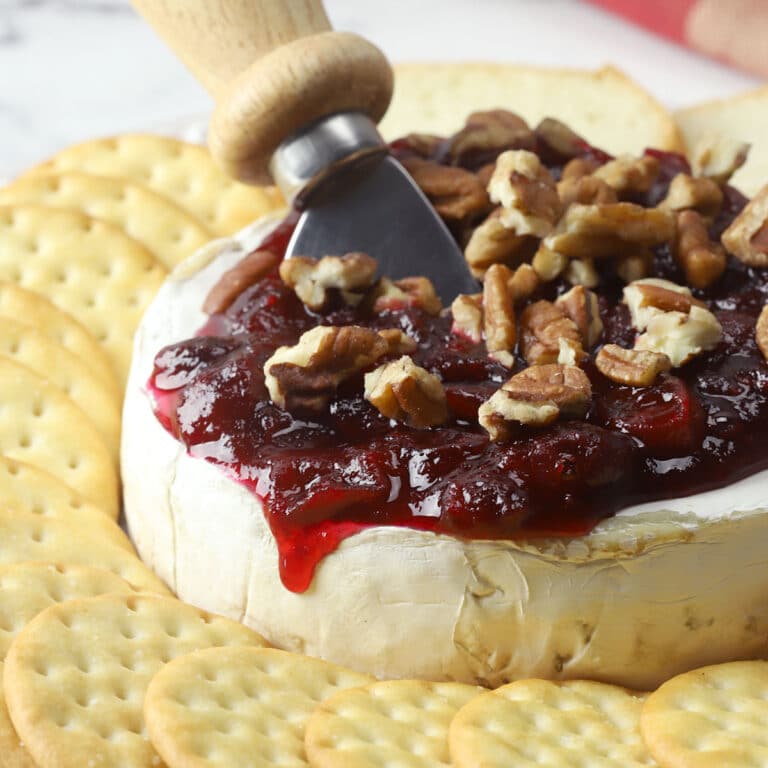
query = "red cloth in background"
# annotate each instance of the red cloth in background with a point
(734, 31)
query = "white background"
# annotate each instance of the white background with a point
(75, 69)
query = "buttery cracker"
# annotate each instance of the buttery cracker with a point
(396, 722)
(75, 678)
(27, 589)
(709, 718)
(543, 723)
(185, 173)
(168, 231)
(86, 267)
(224, 707)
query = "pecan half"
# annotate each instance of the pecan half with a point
(407, 292)
(634, 367)
(700, 194)
(582, 307)
(536, 397)
(304, 377)
(761, 332)
(405, 392)
(233, 282)
(467, 314)
(747, 237)
(585, 190)
(627, 175)
(456, 194)
(718, 157)
(649, 297)
(680, 336)
(499, 314)
(313, 279)
(527, 193)
(486, 133)
(702, 260)
(593, 231)
(493, 243)
(542, 325)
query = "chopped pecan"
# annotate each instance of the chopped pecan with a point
(560, 138)
(499, 314)
(398, 342)
(304, 377)
(542, 325)
(488, 133)
(593, 231)
(681, 336)
(718, 157)
(703, 260)
(761, 332)
(570, 352)
(523, 282)
(456, 194)
(493, 243)
(629, 175)
(536, 396)
(582, 307)
(407, 292)
(548, 264)
(527, 193)
(234, 281)
(403, 391)
(425, 145)
(634, 367)
(582, 272)
(313, 279)
(585, 190)
(648, 297)
(747, 237)
(578, 168)
(635, 266)
(700, 194)
(467, 314)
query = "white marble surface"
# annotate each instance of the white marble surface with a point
(74, 69)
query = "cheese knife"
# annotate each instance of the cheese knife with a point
(297, 103)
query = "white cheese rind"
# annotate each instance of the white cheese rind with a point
(657, 589)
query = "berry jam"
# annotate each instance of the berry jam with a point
(324, 478)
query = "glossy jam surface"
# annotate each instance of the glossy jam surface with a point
(324, 478)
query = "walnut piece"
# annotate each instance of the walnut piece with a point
(585, 190)
(702, 260)
(499, 314)
(651, 296)
(594, 231)
(233, 282)
(403, 391)
(407, 292)
(304, 377)
(718, 157)
(313, 279)
(536, 397)
(527, 193)
(681, 336)
(700, 194)
(582, 307)
(761, 332)
(747, 237)
(456, 194)
(542, 325)
(634, 367)
(493, 243)
(627, 174)
(467, 314)
(488, 132)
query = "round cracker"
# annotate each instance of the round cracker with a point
(543, 723)
(168, 231)
(27, 589)
(395, 722)
(239, 706)
(185, 173)
(59, 326)
(89, 268)
(41, 426)
(27, 346)
(711, 717)
(605, 106)
(73, 700)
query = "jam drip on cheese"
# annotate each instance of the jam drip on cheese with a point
(324, 478)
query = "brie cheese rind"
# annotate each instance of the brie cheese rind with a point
(658, 589)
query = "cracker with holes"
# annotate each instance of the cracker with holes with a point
(397, 722)
(167, 230)
(543, 723)
(40, 425)
(30, 490)
(76, 676)
(26, 536)
(27, 589)
(709, 718)
(60, 327)
(88, 268)
(27, 346)
(239, 706)
(185, 173)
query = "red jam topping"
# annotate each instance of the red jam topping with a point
(322, 479)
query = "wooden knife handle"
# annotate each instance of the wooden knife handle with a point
(273, 66)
